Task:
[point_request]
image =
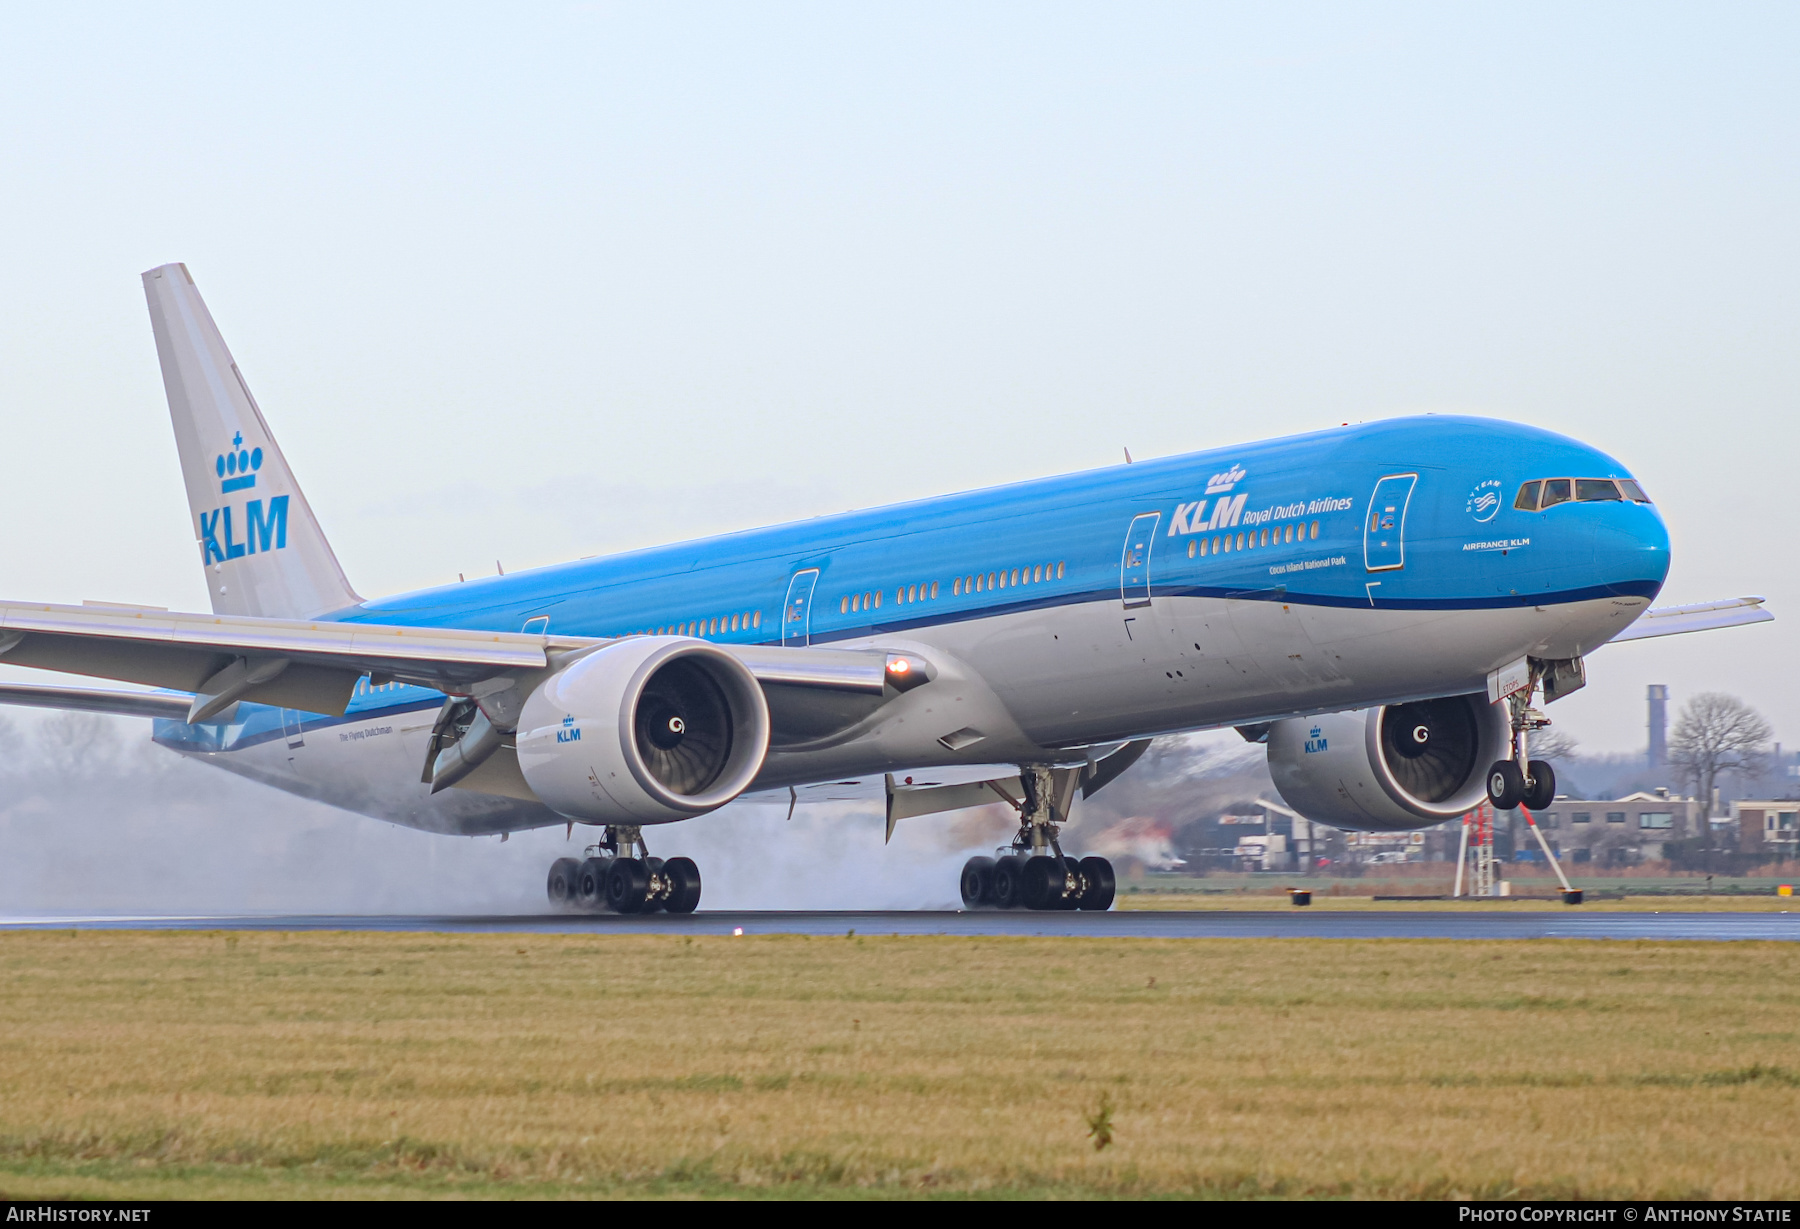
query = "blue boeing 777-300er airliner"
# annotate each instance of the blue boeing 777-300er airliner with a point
(1381, 604)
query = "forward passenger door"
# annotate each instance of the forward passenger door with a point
(796, 612)
(1134, 563)
(1384, 529)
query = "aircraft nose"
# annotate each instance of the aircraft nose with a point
(1632, 549)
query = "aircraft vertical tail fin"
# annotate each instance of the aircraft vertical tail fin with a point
(260, 544)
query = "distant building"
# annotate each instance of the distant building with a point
(1769, 826)
(1615, 831)
(1262, 836)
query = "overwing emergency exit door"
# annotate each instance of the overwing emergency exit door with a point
(1134, 563)
(796, 612)
(1384, 529)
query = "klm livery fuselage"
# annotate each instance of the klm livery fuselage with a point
(1365, 565)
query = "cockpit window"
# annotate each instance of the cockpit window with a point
(1548, 492)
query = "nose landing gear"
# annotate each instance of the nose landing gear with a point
(1034, 873)
(1522, 781)
(632, 883)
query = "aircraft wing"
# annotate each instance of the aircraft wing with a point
(1697, 617)
(314, 665)
(97, 700)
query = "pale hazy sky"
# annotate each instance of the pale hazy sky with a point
(533, 282)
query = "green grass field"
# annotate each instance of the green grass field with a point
(179, 1064)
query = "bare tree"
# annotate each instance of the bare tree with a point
(1716, 734)
(1552, 744)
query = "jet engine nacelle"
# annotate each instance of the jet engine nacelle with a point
(646, 731)
(1390, 769)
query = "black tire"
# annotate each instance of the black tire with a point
(684, 885)
(1042, 883)
(627, 884)
(1102, 886)
(590, 883)
(1541, 791)
(1505, 785)
(563, 887)
(977, 883)
(1009, 886)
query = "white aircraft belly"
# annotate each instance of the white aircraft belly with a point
(371, 766)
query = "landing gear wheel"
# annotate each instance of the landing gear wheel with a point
(1009, 886)
(1101, 885)
(684, 885)
(1042, 883)
(627, 885)
(563, 888)
(1540, 792)
(590, 883)
(977, 883)
(1505, 785)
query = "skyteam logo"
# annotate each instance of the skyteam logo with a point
(237, 468)
(1484, 500)
(1218, 484)
(568, 734)
(264, 528)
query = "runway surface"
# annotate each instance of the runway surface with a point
(1211, 924)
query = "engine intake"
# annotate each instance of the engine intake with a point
(649, 730)
(1393, 768)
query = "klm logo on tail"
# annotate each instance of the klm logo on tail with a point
(265, 529)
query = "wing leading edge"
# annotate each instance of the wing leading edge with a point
(314, 665)
(1696, 617)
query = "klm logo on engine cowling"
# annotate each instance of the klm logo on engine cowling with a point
(264, 528)
(1316, 741)
(569, 733)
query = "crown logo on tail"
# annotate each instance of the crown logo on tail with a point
(237, 468)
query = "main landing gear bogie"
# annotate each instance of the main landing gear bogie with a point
(1038, 881)
(1034, 873)
(620, 876)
